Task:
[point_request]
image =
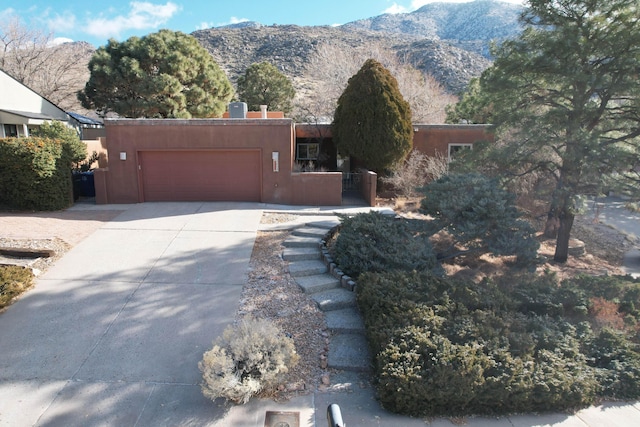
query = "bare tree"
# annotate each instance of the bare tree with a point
(55, 71)
(416, 171)
(332, 66)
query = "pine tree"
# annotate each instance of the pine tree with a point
(564, 96)
(164, 74)
(263, 84)
(373, 121)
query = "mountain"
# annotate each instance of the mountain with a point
(481, 20)
(447, 40)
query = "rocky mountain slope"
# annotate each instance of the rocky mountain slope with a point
(471, 24)
(447, 40)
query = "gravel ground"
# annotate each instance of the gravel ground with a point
(271, 293)
(38, 265)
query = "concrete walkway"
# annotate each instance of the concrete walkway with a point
(613, 212)
(112, 334)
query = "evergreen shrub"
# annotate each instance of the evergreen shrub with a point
(373, 242)
(447, 347)
(35, 172)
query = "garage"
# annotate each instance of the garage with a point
(200, 175)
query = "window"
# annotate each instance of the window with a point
(10, 131)
(307, 151)
(454, 148)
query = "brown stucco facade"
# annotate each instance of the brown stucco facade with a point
(262, 150)
(128, 140)
(436, 139)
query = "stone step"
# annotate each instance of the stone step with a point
(349, 352)
(310, 232)
(307, 268)
(317, 283)
(346, 321)
(326, 224)
(334, 299)
(300, 254)
(301, 242)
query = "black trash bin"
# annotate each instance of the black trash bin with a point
(86, 184)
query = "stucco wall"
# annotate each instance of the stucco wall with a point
(100, 147)
(432, 139)
(369, 187)
(122, 177)
(317, 188)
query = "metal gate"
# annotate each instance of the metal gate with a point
(351, 181)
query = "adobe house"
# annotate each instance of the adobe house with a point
(314, 142)
(207, 160)
(244, 157)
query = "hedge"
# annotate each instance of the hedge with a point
(35, 174)
(526, 343)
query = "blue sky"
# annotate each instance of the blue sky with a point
(92, 21)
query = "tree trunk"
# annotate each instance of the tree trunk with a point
(552, 225)
(564, 231)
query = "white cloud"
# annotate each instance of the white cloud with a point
(64, 22)
(5, 14)
(204, 25)
(142, 16)
(396, 8)
(232, 20)
(60, 40)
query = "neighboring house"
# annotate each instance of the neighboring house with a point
(22, 109)
(89, 128)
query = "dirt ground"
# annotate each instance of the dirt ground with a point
(71, 226)
(57, 231)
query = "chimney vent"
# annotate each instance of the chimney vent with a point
(238, 110)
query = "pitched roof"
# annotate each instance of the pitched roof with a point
(29, 115)
(84, 120)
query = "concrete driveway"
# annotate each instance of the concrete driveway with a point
(113, 332)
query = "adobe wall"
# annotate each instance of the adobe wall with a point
(432, 139)
(99, 146)
(131, 136)
(317, 188)
(369, 187)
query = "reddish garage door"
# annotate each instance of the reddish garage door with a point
(200, 175)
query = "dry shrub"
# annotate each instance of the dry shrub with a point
(415, 172)
(249, 358)
(606, 313)
(14, 280)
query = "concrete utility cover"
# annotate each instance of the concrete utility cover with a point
(282, 419)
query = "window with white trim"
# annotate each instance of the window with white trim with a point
(454, 148)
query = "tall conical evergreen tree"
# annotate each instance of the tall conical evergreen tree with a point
(372, 121)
